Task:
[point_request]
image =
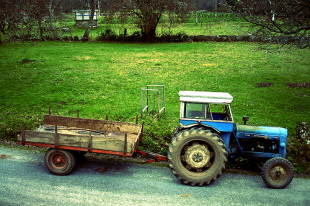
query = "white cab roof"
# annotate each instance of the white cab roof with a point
(205, 97)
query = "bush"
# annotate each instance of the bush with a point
(299, 153)
(135, 37)
(299, 148)
(179, 37)
(108, 35)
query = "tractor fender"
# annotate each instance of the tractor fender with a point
(225, 136)
(188, 127)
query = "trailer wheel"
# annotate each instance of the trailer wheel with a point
(277, 172)
(59, 162)
(197, 156)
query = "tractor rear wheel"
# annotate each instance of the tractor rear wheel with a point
(59, 162)
(277, 172)
(197, 156)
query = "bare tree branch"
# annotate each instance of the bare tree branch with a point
(279, 17)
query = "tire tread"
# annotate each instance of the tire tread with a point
(269, 164)
(183, 134)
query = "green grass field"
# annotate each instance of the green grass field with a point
(106, 78)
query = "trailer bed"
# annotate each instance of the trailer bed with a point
(100, 136)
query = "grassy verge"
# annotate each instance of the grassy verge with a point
(100, 79)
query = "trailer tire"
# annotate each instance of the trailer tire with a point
(197, 156)
(59, 162)
(277, 173)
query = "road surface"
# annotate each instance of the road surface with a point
(24, 180)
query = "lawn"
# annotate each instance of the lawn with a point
(106, 78)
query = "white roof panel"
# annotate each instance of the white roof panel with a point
(205, 97)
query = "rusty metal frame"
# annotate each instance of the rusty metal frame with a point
(155, 157)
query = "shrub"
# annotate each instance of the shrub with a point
(179, 37)
(135, 37)
(108, 35)
(299, 148)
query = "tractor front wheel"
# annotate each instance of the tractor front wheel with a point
(197, 156)
(277, 172)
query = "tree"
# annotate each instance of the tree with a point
(11, 14)
(35, 12)
(51, 5)
(90, 22)
(18, 16)
(149, 13)
(288, 18)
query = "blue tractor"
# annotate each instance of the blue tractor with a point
(207, 137)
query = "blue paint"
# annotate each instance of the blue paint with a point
(276, 135)
(224, 128)
(219, 126)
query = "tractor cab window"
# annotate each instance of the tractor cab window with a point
(207, 111)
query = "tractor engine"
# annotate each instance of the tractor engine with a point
(262, 139)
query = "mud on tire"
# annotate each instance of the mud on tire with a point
(59, 162)
(277, 173)
(197, 156)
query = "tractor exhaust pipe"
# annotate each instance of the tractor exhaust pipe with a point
(245, 119)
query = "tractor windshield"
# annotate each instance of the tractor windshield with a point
(207, 111)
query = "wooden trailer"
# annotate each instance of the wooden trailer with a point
(68, 137)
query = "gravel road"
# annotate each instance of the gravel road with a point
(25, 180)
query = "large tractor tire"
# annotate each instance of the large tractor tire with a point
(277, 173)
(197, 156)
(59, 162)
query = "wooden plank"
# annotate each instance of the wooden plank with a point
(125, 144)
(115, 143)
(139, 138)
(56, 137)
(23, 134)
(89, 141)
(49, 138)
(103, 125)
(78, 149)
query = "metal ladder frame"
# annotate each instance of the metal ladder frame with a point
(159, 110)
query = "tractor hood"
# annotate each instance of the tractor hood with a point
(249, 131)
